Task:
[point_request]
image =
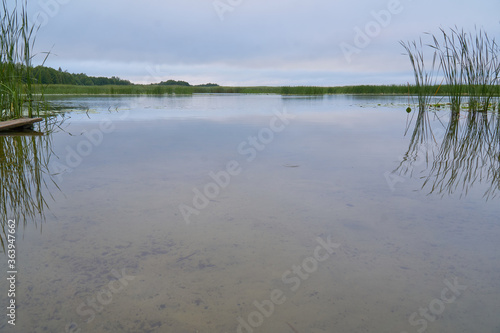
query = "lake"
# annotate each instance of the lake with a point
(258, 213)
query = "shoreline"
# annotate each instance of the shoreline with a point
(154, 89)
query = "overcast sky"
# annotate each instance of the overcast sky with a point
(247, 42)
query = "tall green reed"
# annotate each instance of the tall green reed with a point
(468, 153)
(482, 67)
(19, 96)
(451, 63)
(469, 64)
(425, 79)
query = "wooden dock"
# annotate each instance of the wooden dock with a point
(18, 123)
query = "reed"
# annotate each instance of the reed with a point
(138, 89)
(451, 59)
(482, 69)
(425, 79)
(67, 89)
(469, 64)
(19, 96)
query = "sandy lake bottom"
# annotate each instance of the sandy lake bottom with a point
(214, 214)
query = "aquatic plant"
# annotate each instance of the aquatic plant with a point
(469, 64)
(142, 89)
(425, 79)
(451, 60)
(19, 96)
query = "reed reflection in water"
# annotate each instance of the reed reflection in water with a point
(24, 175)
(467, 152)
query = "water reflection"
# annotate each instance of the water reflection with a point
(458, 154)
(24, 176)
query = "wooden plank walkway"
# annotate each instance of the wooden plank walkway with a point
(17, 123)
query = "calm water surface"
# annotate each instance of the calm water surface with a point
(213, 213)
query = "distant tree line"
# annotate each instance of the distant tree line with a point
(174, 83)
(184, 83)
(47, 75)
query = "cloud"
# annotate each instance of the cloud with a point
(258, 41)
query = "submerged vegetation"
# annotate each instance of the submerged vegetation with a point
(19, 96)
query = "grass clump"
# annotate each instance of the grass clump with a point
(467, 152)
(469, 65)
(19, 96)
(425, 79)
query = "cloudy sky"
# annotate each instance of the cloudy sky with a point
(247, 42)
